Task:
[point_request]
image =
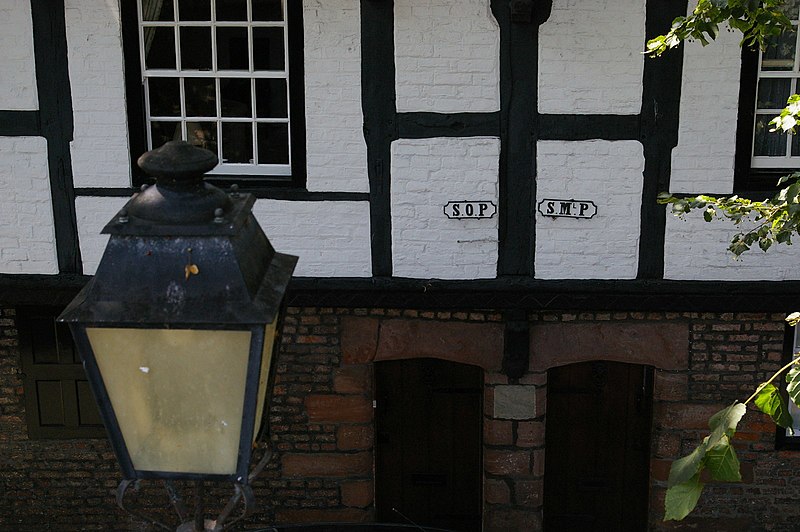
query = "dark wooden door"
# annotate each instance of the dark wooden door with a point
(597, 447)
(428, 421)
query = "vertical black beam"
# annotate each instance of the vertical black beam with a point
(379, 106)
(55, 115)
(519, 44)
(661, 94)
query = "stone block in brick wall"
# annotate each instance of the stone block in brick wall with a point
(511, 519)
(528, 492)
(514, 402)
(358, 494)
(295, 465)
(663, 345)
(353, 379)
(323, 515)
(501, 463)
(670, 386)
(496, 491)
(684, 415)
(479, 344)
(530, 434)
(497, 432)
(359, 339)
(338, 408)
(355, 437)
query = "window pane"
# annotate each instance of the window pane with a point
(271, 98)
(273, 143)
(164, 132)
(766, 143)
(159, 48)
(268, 48)
(194, 10)
(237, 142)
(158, 10)
(773, 93)
(201, 97)
(779, 54)
(236, 100)
(232, 10)
(267, 10)
(196, 48)
(795, 145)
(203, 134)
(232, 49)
(165, 96)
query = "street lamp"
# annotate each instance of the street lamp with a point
(177, 330)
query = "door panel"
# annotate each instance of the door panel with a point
(597, 447)
(428, 422)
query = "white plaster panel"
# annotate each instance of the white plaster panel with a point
(609, 173)
(590, 57)
(92, 214)
(336, 154)
(703, 160)
(447, 56)
(332, 238)
(698, 250)
(426, 174)
(100, 154)
(27, 233)
(17, 64)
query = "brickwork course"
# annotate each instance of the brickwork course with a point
(322, 425)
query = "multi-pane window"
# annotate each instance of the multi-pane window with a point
(778, 73)
(216, 73)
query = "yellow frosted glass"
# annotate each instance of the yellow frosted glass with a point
(178, 395)
(266, 362)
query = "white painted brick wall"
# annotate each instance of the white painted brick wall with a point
(17, 64)
(92, 215)
(703, 160)
(426, 174)
(336, 153)
(27, 235)
(331, 238)
(589, 57)
(100, 155)
(607, 173)
(447, 56)
(698, 250)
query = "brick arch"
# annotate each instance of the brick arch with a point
(366, 340)
(662, 345)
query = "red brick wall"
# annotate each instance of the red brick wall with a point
(322, 426)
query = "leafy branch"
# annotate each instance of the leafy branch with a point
(716, 453)
(758, 21)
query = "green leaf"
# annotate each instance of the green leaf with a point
(724, 422)
(682, 498)
(722, 463)
(793, 385)
(770, 401)
(683, 469)
(793, 318)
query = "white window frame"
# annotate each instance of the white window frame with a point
(224, 168)
(776, 161)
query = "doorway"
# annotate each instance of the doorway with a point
(597, 445)
(428, 423)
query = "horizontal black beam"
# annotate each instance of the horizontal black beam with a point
(20, 124)
(491, 294)
(429, 125)
(588, 127)
(277, 193)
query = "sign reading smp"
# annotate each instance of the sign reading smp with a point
(470, 209)
(567, 208)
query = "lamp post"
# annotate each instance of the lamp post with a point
(177, 331)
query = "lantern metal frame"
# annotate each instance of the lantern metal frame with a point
(183, 254)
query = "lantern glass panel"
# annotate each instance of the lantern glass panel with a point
(266, 362)
(178, 395)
